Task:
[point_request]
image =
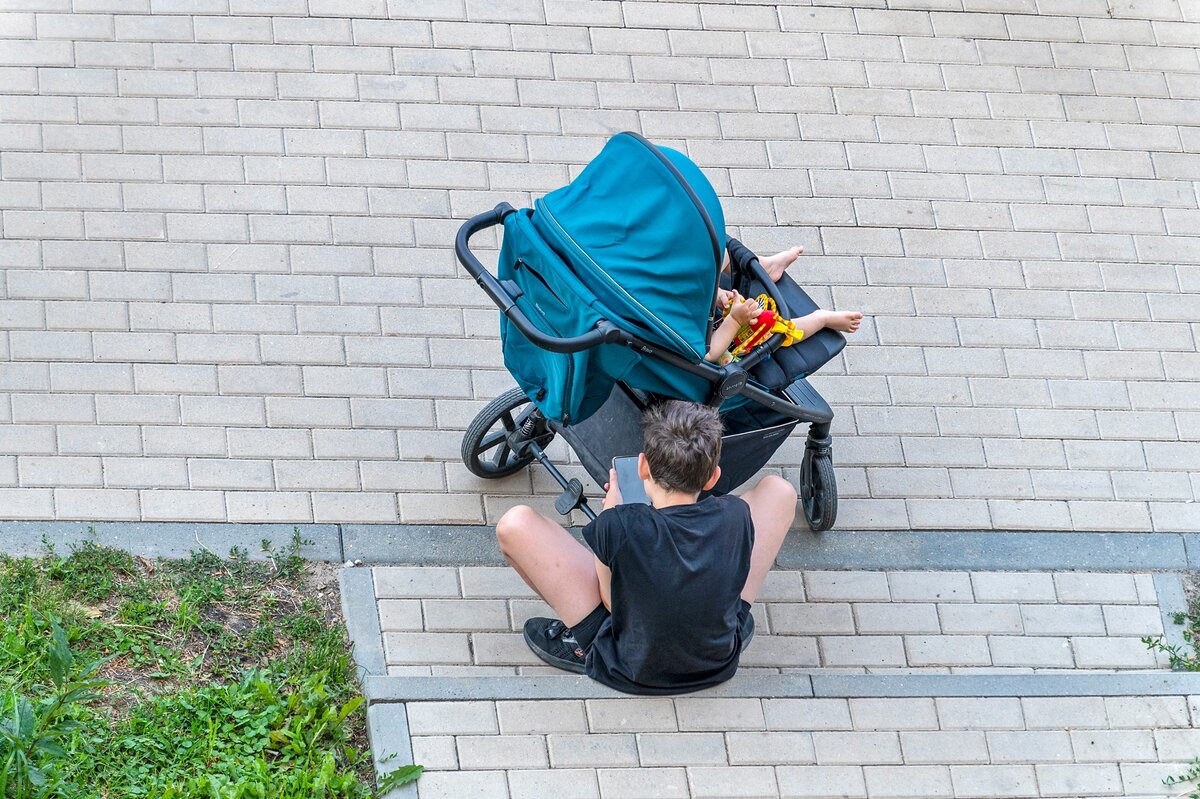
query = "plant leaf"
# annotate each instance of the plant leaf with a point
(401, 776)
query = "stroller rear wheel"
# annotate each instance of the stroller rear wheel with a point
(818, 490)
(494, 453)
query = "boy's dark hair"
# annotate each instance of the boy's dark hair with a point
(683, 444)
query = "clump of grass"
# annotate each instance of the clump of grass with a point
(210, 677)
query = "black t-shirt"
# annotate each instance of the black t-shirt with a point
(677, 578)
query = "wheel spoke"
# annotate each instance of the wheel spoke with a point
(507, 419)
(491, 440)
(500, 459)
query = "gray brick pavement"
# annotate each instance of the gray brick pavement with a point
(257, 201)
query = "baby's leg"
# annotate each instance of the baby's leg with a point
(844, 321)
(776, 264)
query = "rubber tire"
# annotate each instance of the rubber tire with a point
(481, 425)
(818, 491)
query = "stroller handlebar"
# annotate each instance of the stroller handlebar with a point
(604, 332)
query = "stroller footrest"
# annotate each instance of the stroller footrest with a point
(805, 396)
(571, 497)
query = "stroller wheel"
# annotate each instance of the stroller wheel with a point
(818, 491)
(492, 452)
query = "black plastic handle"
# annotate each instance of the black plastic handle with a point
(505, 301)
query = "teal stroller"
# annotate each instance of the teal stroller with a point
(606, 288)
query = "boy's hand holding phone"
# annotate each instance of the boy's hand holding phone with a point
(613, 496)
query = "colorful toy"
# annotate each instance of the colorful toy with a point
(769, 322)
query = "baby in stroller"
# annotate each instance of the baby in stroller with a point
(742, 312)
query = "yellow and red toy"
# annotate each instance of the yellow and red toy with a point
(769, 322)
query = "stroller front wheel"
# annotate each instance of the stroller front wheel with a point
(818, 490)
(493, 452)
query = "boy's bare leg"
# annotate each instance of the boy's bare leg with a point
(773, 508)
(551, 562)
(844, 321)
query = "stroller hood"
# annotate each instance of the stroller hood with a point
(642, 228)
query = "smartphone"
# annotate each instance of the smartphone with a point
(633, 490)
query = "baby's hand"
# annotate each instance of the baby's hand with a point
(724, 297)
(745, 311)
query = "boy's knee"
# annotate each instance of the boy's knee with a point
(513, 522)
(780, 489)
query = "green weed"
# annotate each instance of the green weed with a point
(207, 678)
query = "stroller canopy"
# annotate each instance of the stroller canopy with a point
(642, 228)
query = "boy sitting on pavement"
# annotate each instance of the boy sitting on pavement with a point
(745, 311)
(663, 604)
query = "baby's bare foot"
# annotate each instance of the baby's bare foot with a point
(776, 264)
(843, 321)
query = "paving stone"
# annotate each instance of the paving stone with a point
(837, 748)
(847, 586)
(1112, 653)
(944, 747)
(465, 615)
(1013, 587)
(947, 650)
(1029, 747)
(455, 784)
(1112, 746)
(862, 650)
(633, 715)
(681, 748)
(1052, 713)
(993, 781)
(451, 718)
(545, 716)
(821, 782)
(435, 752)
(880, 618)
(415, 582)
(1031, 651)
(980, 618)
(930, 586)
(808, 714)
(810, 618)
(592, 750)
(732, 781)
(1106, 588)
(769, 748)
(908, 781)
(417, 648)
(1062, 620)
(955, 713)
(661, 783)
(893, 714)
(501, 751)
(1147, 712)
(533, 784)
(697, 713)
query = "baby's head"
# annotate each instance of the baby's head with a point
(682, 447)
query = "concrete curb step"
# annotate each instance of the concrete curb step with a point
(457, 545)
(383, 690)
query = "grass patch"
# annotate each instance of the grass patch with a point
(209, 677)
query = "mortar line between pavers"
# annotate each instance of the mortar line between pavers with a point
(360, 609)
(813, 684)
(1169, 592)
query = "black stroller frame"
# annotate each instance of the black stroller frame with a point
(524, 433)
